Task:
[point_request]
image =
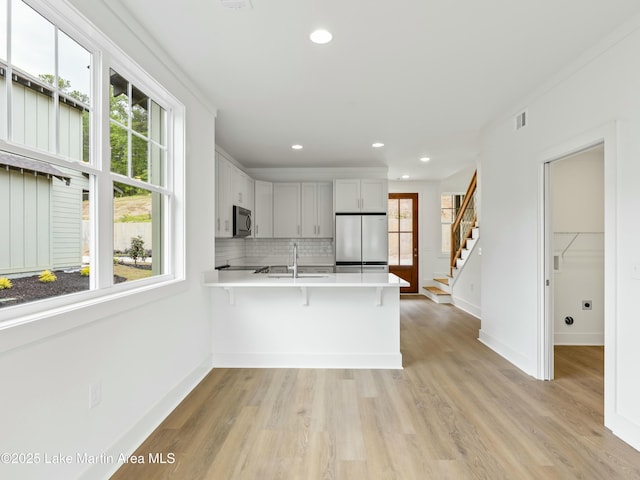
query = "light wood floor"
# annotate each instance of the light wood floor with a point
(456, 411)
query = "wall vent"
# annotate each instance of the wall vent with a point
(236, 4)
(521, 120)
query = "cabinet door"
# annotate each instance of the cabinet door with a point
(224, 225)
(347, 195)
(263, 213)
(286, 210)
(374, 195)
(309, 210)
(239, 186)
(324, 200)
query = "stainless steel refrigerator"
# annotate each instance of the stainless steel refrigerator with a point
(361, 242)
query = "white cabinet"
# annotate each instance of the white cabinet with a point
(366, 195)
(242, 189)
(286, 210)
(233, 187)
(263, 211)
(316, 210)
(224, 223)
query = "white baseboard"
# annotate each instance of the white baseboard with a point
(303, 360)
(520, 361)
(591, 339)
(131, 440)
(624, 428)
(465, 306)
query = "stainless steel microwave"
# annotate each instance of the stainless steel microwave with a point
(241, 222)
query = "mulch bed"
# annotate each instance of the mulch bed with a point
(28, 289)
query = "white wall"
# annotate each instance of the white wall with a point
(577, 209)
(147, 350)
(596, 99)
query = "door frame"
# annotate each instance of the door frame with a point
(607, 136)
(416, 236)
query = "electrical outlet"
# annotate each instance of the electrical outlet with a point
(587, 304)
(95, 394)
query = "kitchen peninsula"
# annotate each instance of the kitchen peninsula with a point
(334, 320)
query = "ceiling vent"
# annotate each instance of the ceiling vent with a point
(236, 4)
(521, 120)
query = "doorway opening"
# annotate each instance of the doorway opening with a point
(403, 238)
(574, 224)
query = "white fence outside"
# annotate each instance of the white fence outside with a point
(123, 233)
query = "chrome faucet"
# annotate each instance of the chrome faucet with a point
(295, 261)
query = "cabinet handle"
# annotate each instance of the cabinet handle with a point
(218, 223)
(256, 229)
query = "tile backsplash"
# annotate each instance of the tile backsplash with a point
(230, 249)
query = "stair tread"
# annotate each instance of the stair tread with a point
(444, 281)
(436, 291)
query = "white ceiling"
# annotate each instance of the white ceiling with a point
(422, 76)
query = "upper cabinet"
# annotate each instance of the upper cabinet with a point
(361, 195)
(316, 210)
(224, 209)
(263, 212)
(242, 189)
(233, 187)
(286, 210)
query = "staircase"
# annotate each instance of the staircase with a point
(440, 288)
(464, 236)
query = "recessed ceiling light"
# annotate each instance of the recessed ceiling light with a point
(321, 36)
(296, 147)
(405, 176)
(425, 159)
(377, 145)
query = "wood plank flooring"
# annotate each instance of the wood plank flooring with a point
(456, 411)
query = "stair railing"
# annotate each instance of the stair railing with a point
(462, 227)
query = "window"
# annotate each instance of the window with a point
(401, 225)
(449, 205)
(52, 175)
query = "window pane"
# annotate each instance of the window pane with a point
(446, 215)
(119, 150)
(119, 99)
(32, 114)
(74, 69)
(139, 158)
(446, 200)
(138, 237)
(393, 215)
(446, 238)
(32, 42)
(406, 215)
(158, 124)
(74, 130)
(157, 173)
(140, 112)
(3, 29)
(45, 252)
(394, 249)
(406, 249)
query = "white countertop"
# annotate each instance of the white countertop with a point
(250, 279)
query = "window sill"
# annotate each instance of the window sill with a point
(32, 322)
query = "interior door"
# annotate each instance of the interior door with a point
(403, 238)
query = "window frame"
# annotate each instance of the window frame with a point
(105, 56)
